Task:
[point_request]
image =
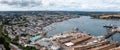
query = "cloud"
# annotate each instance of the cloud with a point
(21, 3)
(65, 5)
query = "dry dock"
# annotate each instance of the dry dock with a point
(73, 40)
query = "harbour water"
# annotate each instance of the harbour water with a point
(84, 23)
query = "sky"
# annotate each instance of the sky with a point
(59, 5)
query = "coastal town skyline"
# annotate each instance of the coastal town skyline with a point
(59, 25)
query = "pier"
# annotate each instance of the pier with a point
(111, 30)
